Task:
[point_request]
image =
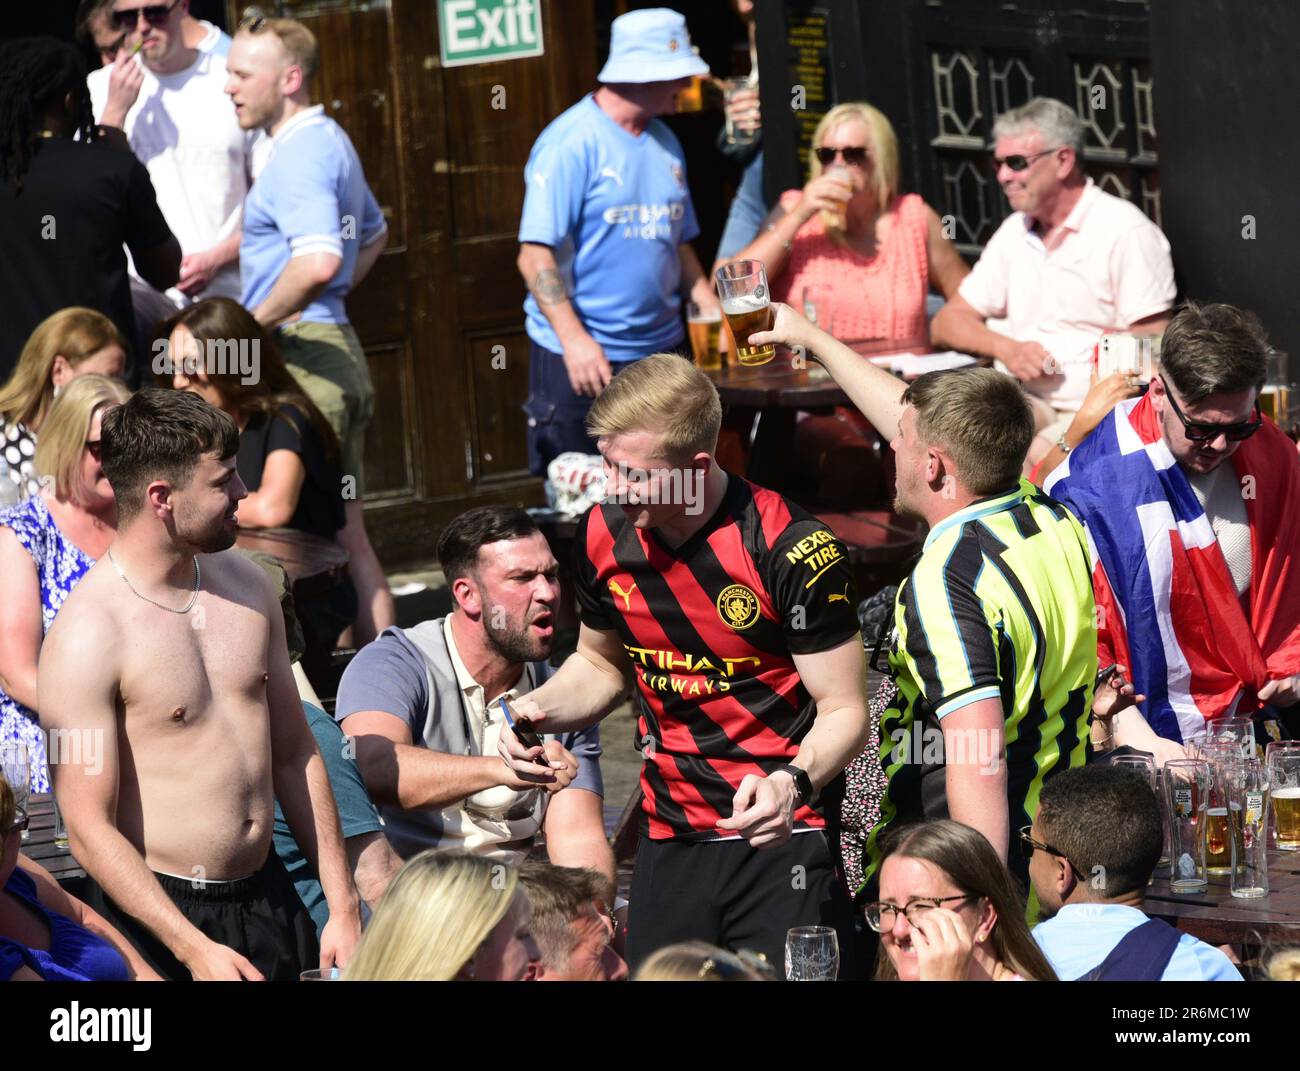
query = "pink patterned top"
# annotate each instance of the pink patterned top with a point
(873, 297)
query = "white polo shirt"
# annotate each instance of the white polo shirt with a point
(1106, 267)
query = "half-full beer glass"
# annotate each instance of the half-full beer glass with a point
(747, 303)
(1283, 761)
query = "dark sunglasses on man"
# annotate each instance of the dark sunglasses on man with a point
(854, 156)
(1200, 431)
(1019, 163)
(154, 15)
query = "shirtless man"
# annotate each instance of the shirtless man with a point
(170, 656)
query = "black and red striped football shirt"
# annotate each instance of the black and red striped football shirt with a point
(711, 627)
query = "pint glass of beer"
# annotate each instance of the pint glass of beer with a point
(1282, 758)
(705, 327)
(747, 303)
(837, 219)
(1275, 396)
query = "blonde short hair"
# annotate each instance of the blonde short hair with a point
(981, 418)
(63, 434)
(695, 961)
(76, 334)
(883, 149)
(298, 41)
(436, 913)
(663, 393)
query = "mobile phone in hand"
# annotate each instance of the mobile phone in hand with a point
(523, 729)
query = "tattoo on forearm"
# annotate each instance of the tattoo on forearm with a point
(548, 287)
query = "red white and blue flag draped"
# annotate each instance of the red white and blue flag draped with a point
(1167, 606)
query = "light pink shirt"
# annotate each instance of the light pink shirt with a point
(1107, 267)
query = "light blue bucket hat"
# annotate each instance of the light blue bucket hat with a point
(651, 45)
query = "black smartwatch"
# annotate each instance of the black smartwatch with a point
(803, 787)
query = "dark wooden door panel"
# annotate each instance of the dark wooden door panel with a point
(500, 367)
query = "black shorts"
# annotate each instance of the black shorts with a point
(260, 917)
(738, 897)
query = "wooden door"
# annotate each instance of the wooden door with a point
(441, 315)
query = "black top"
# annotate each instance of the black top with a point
(63, 237)
(320, 504)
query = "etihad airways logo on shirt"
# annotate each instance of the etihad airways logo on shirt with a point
(699, 674)
(645, 221)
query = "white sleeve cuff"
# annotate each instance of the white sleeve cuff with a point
(316, 243)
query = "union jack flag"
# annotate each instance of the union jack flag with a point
(1167, 605)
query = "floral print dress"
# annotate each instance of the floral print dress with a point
(59, 567)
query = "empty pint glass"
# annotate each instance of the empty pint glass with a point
(1187, 789)
(1247, 784)
(747, 303)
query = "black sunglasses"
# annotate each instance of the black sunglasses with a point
(154, 15)
(1018, 162)
(1028, 846)
(1199, 431)
(854, 156)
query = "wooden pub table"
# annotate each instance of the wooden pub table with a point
(1219, 918)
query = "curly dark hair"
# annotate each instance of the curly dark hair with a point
(36, 75)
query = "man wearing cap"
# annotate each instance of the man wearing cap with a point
(604, 238)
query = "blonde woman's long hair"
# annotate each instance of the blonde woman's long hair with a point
(437, 912)
(63, 435)
(883, 149)
(76, 333)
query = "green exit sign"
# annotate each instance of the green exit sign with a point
(484, 31)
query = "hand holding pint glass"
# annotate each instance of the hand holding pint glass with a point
(747, 304)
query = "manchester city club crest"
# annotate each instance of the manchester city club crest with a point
(738, 606)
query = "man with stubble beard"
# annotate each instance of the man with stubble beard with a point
(170, 657)
(422, 705)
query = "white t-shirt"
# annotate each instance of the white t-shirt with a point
(182, 127)
(1106, 267)
(1220, 495)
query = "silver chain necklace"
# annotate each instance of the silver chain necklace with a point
(184, 609)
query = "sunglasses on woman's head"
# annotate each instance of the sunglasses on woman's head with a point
(854, 156)
(154, 15)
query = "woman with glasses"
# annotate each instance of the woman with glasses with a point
(47, 544)
(73, 342)
(873, 252)
(46, 935)
(949, 912)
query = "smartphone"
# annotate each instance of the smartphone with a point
(523, 729)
